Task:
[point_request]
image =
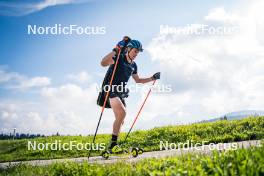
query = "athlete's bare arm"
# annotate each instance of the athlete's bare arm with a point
(108, 59)
(141, 80)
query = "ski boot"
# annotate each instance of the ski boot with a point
(112, 150)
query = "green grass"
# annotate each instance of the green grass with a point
(238, 162)
(149, 140)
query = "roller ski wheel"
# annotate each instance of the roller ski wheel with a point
(140, 151)
(134, 152)
(105, 154)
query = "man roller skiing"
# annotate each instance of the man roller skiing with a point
(126, 67)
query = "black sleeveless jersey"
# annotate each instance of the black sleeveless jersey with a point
(123, 72)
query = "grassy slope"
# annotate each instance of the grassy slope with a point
(238, 162)
(216, 132)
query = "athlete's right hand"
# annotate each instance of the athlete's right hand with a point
(123, 42)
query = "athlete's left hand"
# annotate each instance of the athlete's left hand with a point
(156, 76)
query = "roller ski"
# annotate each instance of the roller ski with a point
(118, 151)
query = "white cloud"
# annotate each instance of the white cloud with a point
(33, 82)
(14, 80)
(19, 8)
(67, 109)
(220, 15)
(224, 73)
(7, 76)
(69, 96)
(81, 77)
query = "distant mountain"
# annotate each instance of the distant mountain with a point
(237, 115)
(242, 114)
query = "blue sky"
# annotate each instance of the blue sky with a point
(59, 55)
(35, 68)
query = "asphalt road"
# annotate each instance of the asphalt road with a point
(206, 149)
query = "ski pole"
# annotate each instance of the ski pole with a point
(106, 97)
(139, 112)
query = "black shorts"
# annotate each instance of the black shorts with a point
(113, 95)
(102, 95)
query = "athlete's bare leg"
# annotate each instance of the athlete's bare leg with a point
(120, 113)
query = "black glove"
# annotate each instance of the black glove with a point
(156, 76)
(122, 44)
